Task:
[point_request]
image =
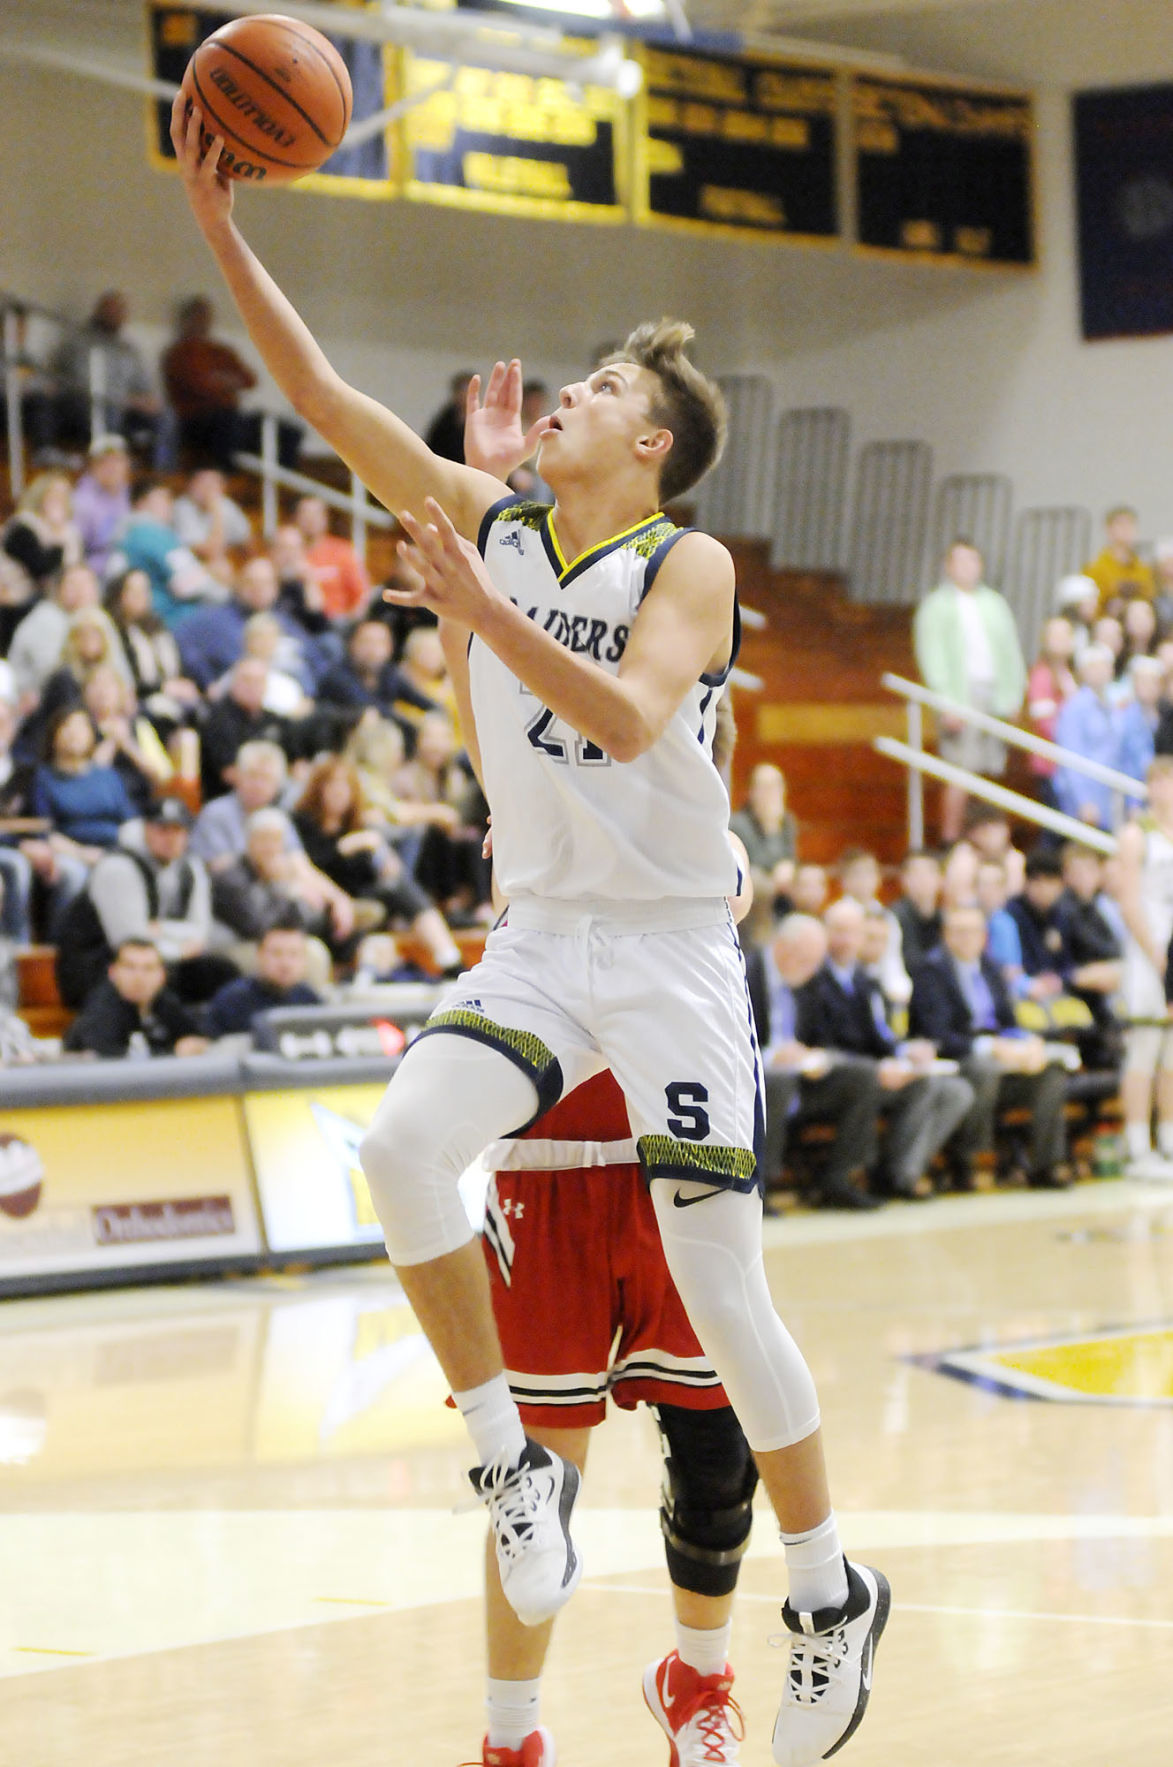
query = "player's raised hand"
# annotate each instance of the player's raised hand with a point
(446, 572)
(207, 189)
(494, 441)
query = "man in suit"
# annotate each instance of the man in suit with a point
(805, 1084)
(960, 1004)
(844, 1008)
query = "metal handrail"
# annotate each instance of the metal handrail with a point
(1029, 809)
(1016, 738)
(363, 514)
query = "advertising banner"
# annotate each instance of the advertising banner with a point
(305, 1155)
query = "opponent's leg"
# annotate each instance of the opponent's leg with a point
(515, 1736)
(706, 1516)
(449, 1098)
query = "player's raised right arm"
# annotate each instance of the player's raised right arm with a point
(391, 460)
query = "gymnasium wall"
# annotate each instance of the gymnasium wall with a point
(987, 367)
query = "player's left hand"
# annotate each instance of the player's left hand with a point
(493, 438)
(446, 572)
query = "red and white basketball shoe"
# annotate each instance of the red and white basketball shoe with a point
(536, 1751)
(697, 1713)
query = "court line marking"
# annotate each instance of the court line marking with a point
(917, 1607)
(37, 1650)
(351, 1601)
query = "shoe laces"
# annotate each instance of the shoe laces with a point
(818, 1661)
(719, 1724)
(514, 1501)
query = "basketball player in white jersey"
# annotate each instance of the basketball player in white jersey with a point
(589, 644)
(1145, 871)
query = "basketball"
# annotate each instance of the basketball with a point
(276, 90)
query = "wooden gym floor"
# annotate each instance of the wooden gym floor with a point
(226, 1528)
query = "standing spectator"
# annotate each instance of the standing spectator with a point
(345, 585)
(278, 980)
(40, 638)
(967, 649)
(101, 499)
(134, 1012)
(445, 433)
(960, 1005)
(1089, 725)
(859, 874)
(42, 539)
(1050, 685)
(149, 541)
(204, 381)
(1119, 572)
(808, 1085)
(770, 836)
(917, 909)
(207, 520)
(1141, 716)
(1144, 887)
(129, 404)
(844, 1009)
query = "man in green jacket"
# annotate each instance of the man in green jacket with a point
(967, 648)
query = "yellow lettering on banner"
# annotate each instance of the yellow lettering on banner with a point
(876, 137)
(794, 132)
(509, 175)
(663, 113)
(700, 119)
(810, 94)
(742, 125)
(949, 113)
(921, 236)
(703, 79)
(664, 157)
(752, 207)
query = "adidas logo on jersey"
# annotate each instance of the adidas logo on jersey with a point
(513, 539)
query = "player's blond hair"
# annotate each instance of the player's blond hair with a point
(689, 404)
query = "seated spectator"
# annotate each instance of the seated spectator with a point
(1119, 573)
(213, 639)
(264, 642)
(127, 741)
(299, 594)
(215, 528)
(278, 980)
(150, 650)
(917, 909)
(1040, 932)
(810, 890)
(450, 865)
(1049, 685)
(134, 1012)
(40, 638)
(770, 836)
(130, 405)
(204, 380)
(336, 837)
(379, 961)
(445, 433)
(268, 882)
(42, 537)
(1089, 725)
(859, 874)
(1003, 940)
(808, 1085)
(987, 835)
(258, 779)
(238, 718)
(90, 643)
(16, 871)
(150, 889)
(376, 748)
(341, 574)
(1140, 716)
(424, 667)
(845, 1010)
(1077, 600)
(1093, 948)
(101, 499)
(961, 1006)
(368, 678)
(85, 802)
(148, 542)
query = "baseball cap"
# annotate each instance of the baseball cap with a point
(108, 444)
(168, 813)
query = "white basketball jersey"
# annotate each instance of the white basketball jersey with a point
(568, 821)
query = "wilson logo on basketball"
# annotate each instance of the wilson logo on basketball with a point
(248, 107)
(22, 1174)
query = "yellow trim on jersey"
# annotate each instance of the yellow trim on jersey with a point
(600, 546)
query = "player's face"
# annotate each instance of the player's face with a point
(598, 423)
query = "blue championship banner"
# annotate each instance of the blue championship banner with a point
(1124, 184)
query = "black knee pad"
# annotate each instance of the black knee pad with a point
(707, 1507)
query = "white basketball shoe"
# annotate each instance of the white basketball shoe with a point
(529, 1508)
(830, 1676)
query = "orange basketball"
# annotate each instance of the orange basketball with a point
(276, 90)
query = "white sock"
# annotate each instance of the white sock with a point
(512, 1709)
(493, 1420)
(706, 1652)
(814, 1564)
(1165, 1140)
(1136, 1140)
